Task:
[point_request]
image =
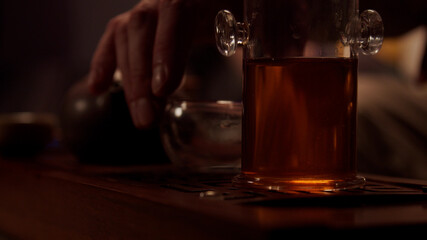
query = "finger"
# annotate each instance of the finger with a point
(171, 46)
(141, 33)
(103, 62)
(121, 47)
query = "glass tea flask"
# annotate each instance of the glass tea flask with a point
(299, 89)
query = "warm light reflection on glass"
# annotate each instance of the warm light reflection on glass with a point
(223, 102)
(26, 117)
(311, 181)
(80, 105)
(184, 105)
(178, 112)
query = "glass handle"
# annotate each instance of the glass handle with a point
(365, 33)
(372, 32)
(229, 33)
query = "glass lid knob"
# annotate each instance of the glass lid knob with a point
(365, 33)
(229, 33)
(372, 32)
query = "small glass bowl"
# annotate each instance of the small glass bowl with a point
(203, 136)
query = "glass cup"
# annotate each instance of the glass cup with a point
(299, 90)
(203, 136)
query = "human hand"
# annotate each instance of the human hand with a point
(149, 45)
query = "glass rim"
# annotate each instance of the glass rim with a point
(207, 105)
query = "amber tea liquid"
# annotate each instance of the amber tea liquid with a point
(299, 123)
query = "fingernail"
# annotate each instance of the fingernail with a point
(159, 79)
(142, 112)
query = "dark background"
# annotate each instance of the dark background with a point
(46, 46)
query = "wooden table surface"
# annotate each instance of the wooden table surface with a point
(54, 197)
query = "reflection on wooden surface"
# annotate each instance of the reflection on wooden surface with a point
(57, 198)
